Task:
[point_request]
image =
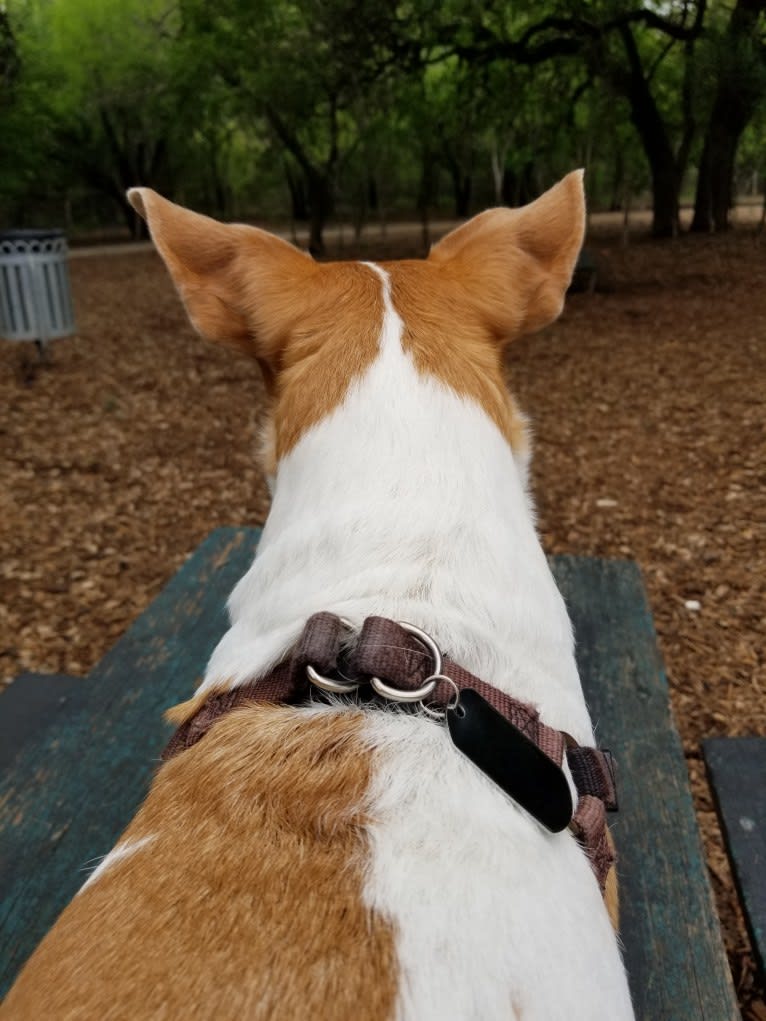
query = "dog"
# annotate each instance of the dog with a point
(324, 852)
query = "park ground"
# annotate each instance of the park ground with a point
(647, 399)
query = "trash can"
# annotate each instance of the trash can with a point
(35, 299)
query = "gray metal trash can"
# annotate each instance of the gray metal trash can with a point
(35, 299)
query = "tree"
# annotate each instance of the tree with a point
(626, 46)
(112, 102)
(25, 123)
(124, 101)
(301, 68)
(740, 66)
(9, 59)
(309, 105)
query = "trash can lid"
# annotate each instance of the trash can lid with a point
(31, 234)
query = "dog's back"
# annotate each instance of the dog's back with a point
(328, 860)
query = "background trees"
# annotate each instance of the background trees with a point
(737, 56)
(303, 108)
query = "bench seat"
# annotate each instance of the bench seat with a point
(736, 768)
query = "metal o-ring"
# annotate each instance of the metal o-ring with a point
(328, 684)
(441, 714)
(453, 685)
(402, 695)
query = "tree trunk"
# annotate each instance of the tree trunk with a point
(739, 89)
(298, 204)
(510, 189)
(426, 192)
(647, 120)
(461, 177)
(702, 221)
(498, 156)
(519, 188)
(715, 183)
(318, 178)
(724, 145)
(618, 182)
(665, 189)
(319, 197)
(372, 193)
(462, 185)
(136, 226)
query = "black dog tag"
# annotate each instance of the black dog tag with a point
(509, 758)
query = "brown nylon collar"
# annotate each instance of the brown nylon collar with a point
(388, 650)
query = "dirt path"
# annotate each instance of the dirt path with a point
(341, 239)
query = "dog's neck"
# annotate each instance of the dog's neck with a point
(406, 501)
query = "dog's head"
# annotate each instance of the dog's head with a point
(315, 327)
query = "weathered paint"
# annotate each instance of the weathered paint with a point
(51, 829)
(98, 760)
(674, 952)
(737, 770)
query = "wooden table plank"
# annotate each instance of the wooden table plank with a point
(74, 787)
(673, 947)
(32, 703)
(737, 771)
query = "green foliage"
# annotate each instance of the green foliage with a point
(296, 107)
(752, 151)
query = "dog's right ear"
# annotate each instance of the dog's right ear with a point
(233, 279)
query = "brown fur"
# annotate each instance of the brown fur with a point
(611, 890)
(248, 902)
(314, 328)
(330, 346)
(447, 342)
(502, 274)
(183, 711)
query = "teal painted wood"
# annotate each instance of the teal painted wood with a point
(73, 788)
(673, 948)
(32, 703)
(737, 772)
(101, 763)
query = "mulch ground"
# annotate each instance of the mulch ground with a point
(648, 410)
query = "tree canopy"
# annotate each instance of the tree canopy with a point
(305, 108)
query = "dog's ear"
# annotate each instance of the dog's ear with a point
(233, 279)
(514, 265)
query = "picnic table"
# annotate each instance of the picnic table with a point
(79, 753)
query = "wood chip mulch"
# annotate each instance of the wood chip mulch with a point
(648, 410)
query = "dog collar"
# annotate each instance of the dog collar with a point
(502, 736)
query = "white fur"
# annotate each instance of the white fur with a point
(406, 501)
(495, 918)
(117, 854)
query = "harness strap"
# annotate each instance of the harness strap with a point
(384, 649)
(384, 646)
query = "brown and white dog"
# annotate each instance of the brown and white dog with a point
(331, 860)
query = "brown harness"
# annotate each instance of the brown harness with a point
(398, 662)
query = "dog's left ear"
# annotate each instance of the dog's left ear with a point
(514, 265)
(233, 279)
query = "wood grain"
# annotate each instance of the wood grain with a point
(35, 702)
(73, 788)
(737, 771)
(673, 946)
